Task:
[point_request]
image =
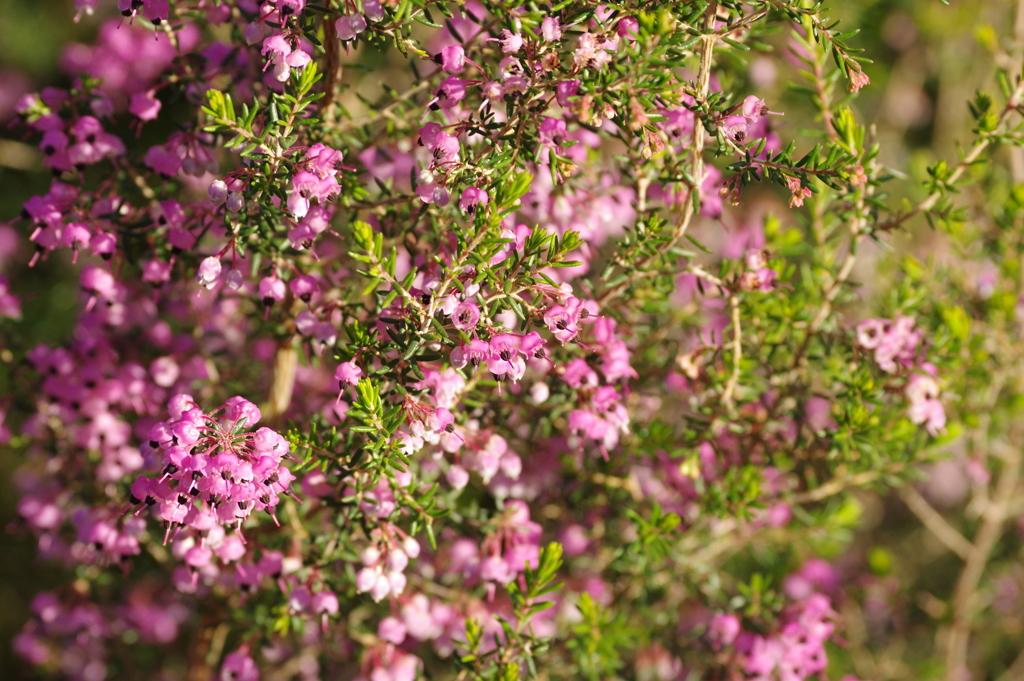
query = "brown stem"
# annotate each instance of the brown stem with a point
(696, 162)
(935, 523)
(282, 383)
(965, 596)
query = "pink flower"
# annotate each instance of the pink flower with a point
(471, 198)
(290, 7)
(163, 161)
(325, 602)
(509, 41)
(271, 290)
(858, 79)
(466, 315)
(553, 132)
(445, 147)
(589, 54)
(349, 26)
(710, 192)
(504, 358)
(723, 630)
(550, 30)
(209, 272)
(922, 393)
(476, 352)
(628, 28)
(144, 105)
(391, 629)
(276, 48)
(799, 192)
(451, 91)
(735, 128)
(563, 320)
(566, 89)
(347, 373)
(238, 666)
(451, 58)
(433, 193)
(303, 287)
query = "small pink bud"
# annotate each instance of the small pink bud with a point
(218, 192)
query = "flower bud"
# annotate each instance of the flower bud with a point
(457, 476)
(234, 280)
(396, 582)
(253, 33)
(373, 9)
(411, 547)
(370, 556)
(366, 579)
(218, 192)
(391, 629)
(397, 560)
(235, 202)
(381, 588)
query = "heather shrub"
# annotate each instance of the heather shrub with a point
(394, 339)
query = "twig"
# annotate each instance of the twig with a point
(972, 156)
(965, 592)
(838, 485)
(696, 161)
(737, 353)
(345, 126)
(283, 382)
(704, 274)
(934, 521)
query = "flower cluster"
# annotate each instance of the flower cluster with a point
(215, 474)
(895, 348)
(795, 651)
(384, 562)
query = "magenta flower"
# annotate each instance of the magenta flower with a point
(163, 161)
(240, 409)
(238, 666)
(144, 106)
(271, 290)
(566, 89)
(553, 132)
(466, 315)
(471, 198)
(550, 29)
(209, 272)
(349, 26)
(509, 41)
(276, 48)
(627, 28)
(563, 320)
(451, 91)
(451, 58)
(303, 287)
(347, 373)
